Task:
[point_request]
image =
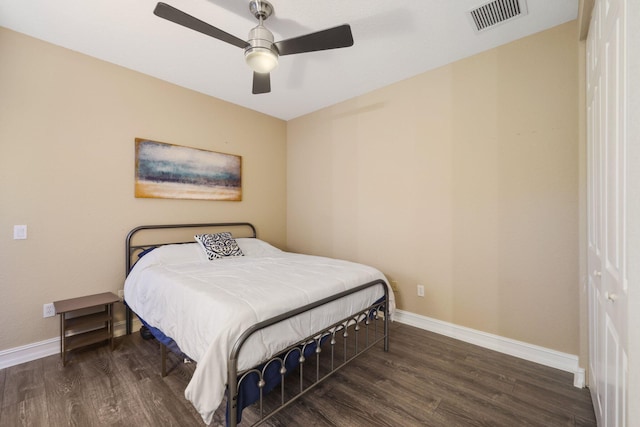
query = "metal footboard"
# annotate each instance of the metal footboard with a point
(367, 318)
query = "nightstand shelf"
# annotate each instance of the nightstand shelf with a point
(79, 330)
(86, 338)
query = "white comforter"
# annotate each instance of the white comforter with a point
(206, 305)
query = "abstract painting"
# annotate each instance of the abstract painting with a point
(173, 172)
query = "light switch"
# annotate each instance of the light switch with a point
(19, 232)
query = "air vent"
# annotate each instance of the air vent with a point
(496, 12)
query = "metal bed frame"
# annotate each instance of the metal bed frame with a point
(367, 319)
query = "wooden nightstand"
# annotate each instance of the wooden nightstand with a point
(85, 329)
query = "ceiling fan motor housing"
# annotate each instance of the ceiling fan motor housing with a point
(261, 55)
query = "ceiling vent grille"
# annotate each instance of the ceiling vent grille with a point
(496, 12)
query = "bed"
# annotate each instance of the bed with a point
(250, 315)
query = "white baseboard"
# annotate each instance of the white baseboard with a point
(544, 356)
(27, 353)
(533, 353)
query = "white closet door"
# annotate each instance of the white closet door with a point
(606, 189)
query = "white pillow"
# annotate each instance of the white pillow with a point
(251, 246)
(192, 252)
(174, 254)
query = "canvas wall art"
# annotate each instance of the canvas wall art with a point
(170, 171)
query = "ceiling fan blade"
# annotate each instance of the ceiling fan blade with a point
(172, 14)
(332, 38)
(261, 83)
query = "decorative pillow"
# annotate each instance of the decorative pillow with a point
(219, 245)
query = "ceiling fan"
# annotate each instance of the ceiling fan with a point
(260, 51)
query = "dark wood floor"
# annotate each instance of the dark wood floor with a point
(425, 380)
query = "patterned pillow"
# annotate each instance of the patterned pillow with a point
(219, 245)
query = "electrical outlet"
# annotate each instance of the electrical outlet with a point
(48, 310)
(420, 290)
(394, 286)
(120, 293)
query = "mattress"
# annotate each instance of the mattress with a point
(206, 305)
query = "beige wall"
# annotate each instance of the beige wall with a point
(464, 179)
(67, 129)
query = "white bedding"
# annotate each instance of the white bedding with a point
(206, 305)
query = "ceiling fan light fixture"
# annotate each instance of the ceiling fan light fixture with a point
(261, 59)
(259, 54)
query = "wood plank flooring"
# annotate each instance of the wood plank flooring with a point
(424, 380)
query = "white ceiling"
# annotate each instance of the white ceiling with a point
(394, 40)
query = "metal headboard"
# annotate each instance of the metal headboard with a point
(131, 249)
